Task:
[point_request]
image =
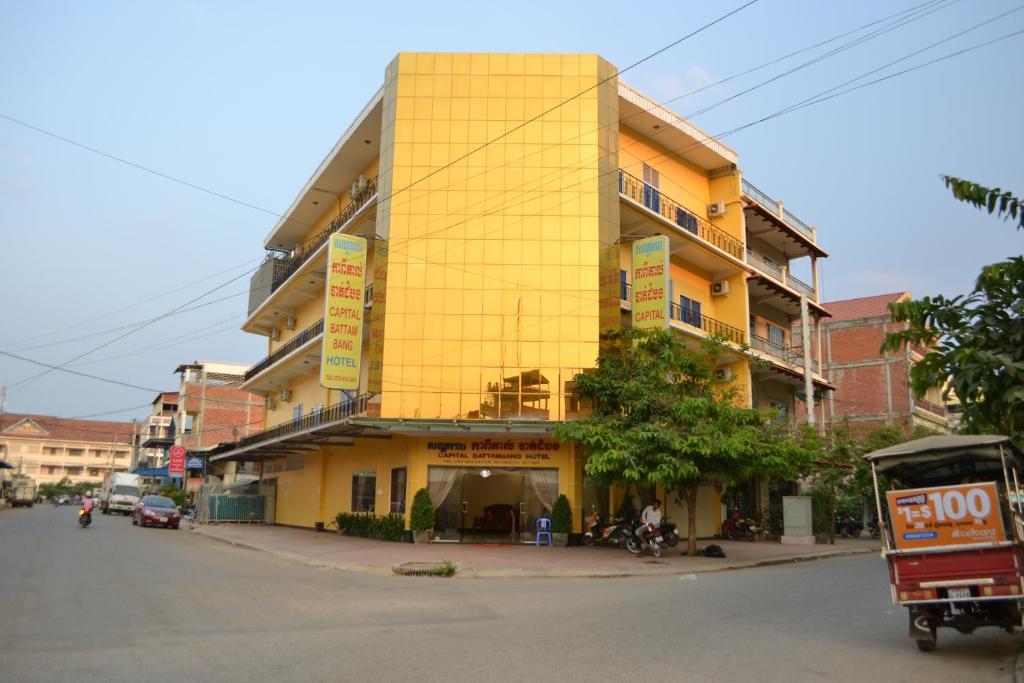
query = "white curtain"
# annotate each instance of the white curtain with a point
(545, 485)
(440, 481)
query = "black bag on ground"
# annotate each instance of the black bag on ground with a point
(712, 551)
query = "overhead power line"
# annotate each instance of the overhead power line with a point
(61, 368)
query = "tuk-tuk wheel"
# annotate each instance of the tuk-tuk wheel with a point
(928, 644)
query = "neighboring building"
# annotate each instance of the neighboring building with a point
(492, 271)
(48, 448)
(871, 387)
(212, 409)
(156, 432)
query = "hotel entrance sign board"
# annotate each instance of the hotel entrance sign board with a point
(343, 312)
(650, 283)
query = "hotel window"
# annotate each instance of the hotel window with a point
(690, 311)
(52, 450)
(398, 479)
(121, 454)
(364, 491)
(623, 285)
(776, 335)
(652, 181)
(96, 453)
(781, 412)
(76, 452)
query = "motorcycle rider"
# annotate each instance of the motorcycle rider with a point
(651, 518)
(88, 502)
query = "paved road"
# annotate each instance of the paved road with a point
(118, 603)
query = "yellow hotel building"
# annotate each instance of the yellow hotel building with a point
(499, 195)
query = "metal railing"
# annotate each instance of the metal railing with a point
(801, 286)
(780, 273)
(766, 265)
(278, 267)
(772, 207)
(625, 291)
(931, 407)
(690, 317)
(653, 200)
(313, 419)
(792, 355)
(368, 295)
(280, 352)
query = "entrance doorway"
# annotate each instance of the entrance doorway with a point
(491, 505)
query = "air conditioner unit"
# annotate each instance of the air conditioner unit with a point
(275, 334)
(716, 209)
(286, 395)
(271, 403)
(290, 322)
(720, 288)
(358, 186)
(723, 374)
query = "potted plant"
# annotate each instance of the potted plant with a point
(421, 517)
(561, 521)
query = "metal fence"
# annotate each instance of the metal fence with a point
(252, 504)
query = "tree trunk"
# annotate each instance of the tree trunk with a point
(690, 494)
(832, 516)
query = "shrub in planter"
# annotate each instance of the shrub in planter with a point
(421, 517)
(367, 525)
(561, 520)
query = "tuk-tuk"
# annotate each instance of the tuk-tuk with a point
(953, 531)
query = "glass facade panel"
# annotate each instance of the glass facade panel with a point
(501, 267)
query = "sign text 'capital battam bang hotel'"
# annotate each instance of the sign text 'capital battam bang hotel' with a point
(451, 264)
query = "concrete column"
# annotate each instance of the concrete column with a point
(805, 337)
(815, 279)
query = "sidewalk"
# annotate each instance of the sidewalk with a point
(329, 550)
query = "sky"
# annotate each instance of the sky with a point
(246, 98)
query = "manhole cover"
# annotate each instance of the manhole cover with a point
(425, 569)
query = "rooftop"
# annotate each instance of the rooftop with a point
(864, 307)
(28, 426)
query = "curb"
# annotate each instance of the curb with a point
(536, 573)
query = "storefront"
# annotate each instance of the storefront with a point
(486, 487)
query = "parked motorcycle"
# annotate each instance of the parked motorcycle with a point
(652, 542)
(737, 528)
(84, 517)
(614, 534)
(670, 532)
(848, 527)
(873, 529)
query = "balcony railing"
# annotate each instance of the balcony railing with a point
(313, 419)
(280, 352)
(791, 355)
(653, 200)
(933, 408)
(690, 317)
(283, 266)
(626, 291)
(780, 274)
(772, 207)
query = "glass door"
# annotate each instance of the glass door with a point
(450, 515)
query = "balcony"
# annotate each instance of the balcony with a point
(319, 426)
(789, 355)
(651, 199)
(295, 357)
(706, 324)
(933, 408)
(279, 268)
(780, 274)
(776, 209)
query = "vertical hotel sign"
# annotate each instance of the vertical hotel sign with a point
(343, 312)
(650, 283)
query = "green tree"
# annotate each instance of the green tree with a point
(561, 515)
(661, 417)
(975, 342)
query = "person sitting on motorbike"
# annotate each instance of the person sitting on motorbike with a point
(87, 503)
(651, 518)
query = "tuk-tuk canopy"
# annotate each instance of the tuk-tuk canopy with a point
(944, 457)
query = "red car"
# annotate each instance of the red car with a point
(156, 511)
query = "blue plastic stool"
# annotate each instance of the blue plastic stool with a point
(544, 529)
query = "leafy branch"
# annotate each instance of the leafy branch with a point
(994, 200)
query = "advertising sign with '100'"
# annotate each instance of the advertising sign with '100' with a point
(343, 312)
(961, 514)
